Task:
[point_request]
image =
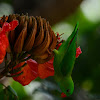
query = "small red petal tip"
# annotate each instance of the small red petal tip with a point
(78, 52)
(59, 45)
(14, 24)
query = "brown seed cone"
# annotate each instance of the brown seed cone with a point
(34, 35)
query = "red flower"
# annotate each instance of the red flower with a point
(45, 70)
(59, 45)
(13, 24)
(78, 51)
(29, 73)
(3, 46)
(2, 52)
(3, 39)
(9, 26)
(32, 70)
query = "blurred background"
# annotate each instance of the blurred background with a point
(63, 15)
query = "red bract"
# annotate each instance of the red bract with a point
(2, 53)
(3, 39)
(28, 74)
(6, 27)
(9, 26)
(33, 70)
(3, 46)
(13, 24)
(45, 70)
(33, 65)
(78, 51)
(59, 45)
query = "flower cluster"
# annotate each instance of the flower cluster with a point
(29, 69)
(34, 69)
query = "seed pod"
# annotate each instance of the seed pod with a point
(33, 34)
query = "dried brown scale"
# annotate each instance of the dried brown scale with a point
(33, 34)
(40, 60)
(30, 40)
(30, 24)
(20, 40)
(43, 56)
(50, 31)
(54, 40)
(11, 37)
(40, 37)
(41, 49)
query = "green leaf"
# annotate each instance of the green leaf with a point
(1, 87)
(1, 92)
(8, 93)
(22, 95)
(10, 89)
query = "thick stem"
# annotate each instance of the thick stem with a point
(3, 73)
(7, 69)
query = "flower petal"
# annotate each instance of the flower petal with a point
(33, 65)
(2, 52)
(27, 76)
(45, 70)
(3, 39)
(59, 45)
(9, 26)
(3, 46)
(6, 27)
(78, 51)
(1, 60)
(14, 24)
